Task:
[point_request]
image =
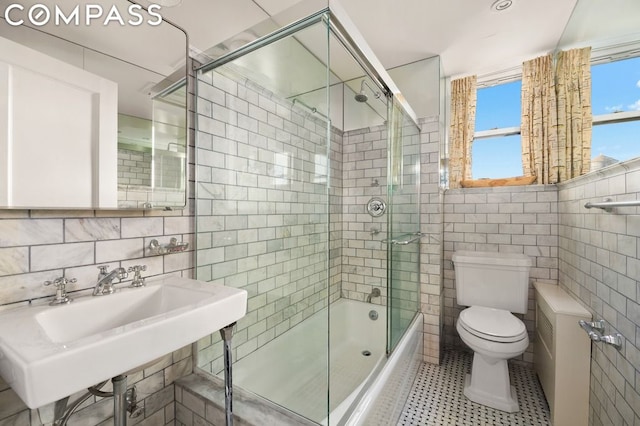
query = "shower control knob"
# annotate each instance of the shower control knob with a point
(376, 207)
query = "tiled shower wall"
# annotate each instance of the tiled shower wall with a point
(518, 219)
(364, 256)
(262, 208)
(600, 266)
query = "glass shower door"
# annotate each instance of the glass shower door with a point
(263, 212)
(403, 242)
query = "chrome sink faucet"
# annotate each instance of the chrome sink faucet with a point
(104, 285)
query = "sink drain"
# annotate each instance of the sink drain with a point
(366, 353)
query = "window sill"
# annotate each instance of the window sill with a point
(485, 183)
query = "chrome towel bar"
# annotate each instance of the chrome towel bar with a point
(608, 204)
(415, 236)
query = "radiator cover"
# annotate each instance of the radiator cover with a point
(562, 355)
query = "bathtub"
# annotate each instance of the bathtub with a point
(291, 370)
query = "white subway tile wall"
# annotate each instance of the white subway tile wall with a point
(364, 256)
(599, 265)
(134, 168)
(431, 224)
(517, 219)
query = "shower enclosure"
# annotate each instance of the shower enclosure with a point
(299, 130)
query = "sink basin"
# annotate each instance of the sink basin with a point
(50, 352)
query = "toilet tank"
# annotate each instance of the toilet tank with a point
(493, 280)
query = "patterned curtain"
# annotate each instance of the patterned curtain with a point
(573, 72)
(539, 120)
(463, 118)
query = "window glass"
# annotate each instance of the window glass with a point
(498, 106)
(614, 142)
(615, 88)
(496, 157)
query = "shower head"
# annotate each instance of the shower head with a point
(362, 97)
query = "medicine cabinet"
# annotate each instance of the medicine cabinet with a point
(93, 116)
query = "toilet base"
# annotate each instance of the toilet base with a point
(488, 384)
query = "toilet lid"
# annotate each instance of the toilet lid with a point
(492, 324)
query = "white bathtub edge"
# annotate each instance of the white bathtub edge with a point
(411, 341)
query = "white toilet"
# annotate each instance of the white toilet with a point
(493, 285)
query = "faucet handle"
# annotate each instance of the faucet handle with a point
(137, 268)
(104, 269)
(61, 297)
(138, 279)
(60, 282)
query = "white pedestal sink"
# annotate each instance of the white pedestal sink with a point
(50, 352)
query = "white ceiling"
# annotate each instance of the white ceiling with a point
(468, 35)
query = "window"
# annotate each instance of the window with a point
(615, 103)
(496, 149)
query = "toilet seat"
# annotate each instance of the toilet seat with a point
(491, 324)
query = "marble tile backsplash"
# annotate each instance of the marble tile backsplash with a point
(72, 244)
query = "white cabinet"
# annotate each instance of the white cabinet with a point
(58, 133)
(562, 355)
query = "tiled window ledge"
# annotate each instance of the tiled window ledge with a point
(596, 175)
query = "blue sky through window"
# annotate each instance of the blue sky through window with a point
(615, 88)
(498, 157)
(498, 106)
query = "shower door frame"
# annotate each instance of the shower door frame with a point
(409, 235)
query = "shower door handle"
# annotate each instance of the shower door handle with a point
(416, 236)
